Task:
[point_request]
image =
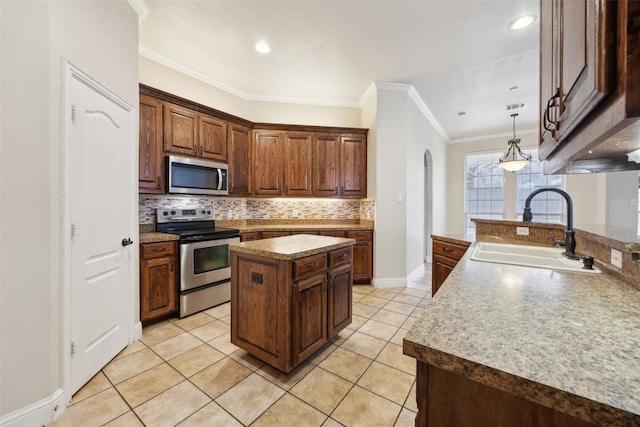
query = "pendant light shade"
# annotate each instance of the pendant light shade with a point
(514, 159)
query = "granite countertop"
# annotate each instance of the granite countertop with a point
(155, 237)
(569, 341)
(291, 247)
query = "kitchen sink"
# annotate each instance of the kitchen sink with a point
(528, 256)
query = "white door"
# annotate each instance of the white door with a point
(99, 173)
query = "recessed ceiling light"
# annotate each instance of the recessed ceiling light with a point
(263, 47)
(522, 22)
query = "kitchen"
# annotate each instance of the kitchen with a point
(31, 371)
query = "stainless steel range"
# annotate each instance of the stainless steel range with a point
(205, 270)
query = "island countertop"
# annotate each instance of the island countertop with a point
(291, 247)
(569, 341)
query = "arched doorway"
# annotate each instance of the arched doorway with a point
(428, 204)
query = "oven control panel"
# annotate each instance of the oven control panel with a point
(181, 215)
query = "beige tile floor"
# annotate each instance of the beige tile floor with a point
(185, 372)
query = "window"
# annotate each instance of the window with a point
(484, 188)
(546, 207)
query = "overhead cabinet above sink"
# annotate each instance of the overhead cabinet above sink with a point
(265, 160)
(589, 87)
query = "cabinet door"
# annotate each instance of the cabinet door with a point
(297, 164)
(151, 157)
(362, 255)
(353, 166)
(158, 287)
(309, 316)
(267, 163)
(212, 138)
(440, 269)
(239, 163)
(180, 130)
(326, 149)
(580, 68)
(340, 286)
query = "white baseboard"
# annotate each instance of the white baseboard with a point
(37, 414)
(393, 282)
(137, 332)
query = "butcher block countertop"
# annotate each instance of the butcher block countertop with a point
(568, 341)
(291, 247)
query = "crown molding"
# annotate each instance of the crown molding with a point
(422, 106)
(493, 136)
(160, 59)
(141, 8)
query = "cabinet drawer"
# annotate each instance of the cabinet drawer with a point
(333, 233)
(450, 250)
(155, 250)
(340, 256)
(310, 265)
(247, 237)
(272, 234)
(360, 235)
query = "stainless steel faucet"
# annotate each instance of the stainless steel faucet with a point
(569, 242)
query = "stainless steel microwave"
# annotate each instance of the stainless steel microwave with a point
(193, 176)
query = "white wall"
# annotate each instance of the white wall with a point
(403, 133)
(622, 199)
(588, 191)
(169, 80)
(101, 38)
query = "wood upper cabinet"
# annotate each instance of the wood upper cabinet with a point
(297, 164)
(353, 166)
(239, 143)
(190, 133)
(180, 130)
(268, 165)
(158, 280)
(326, 155)
(212, 141)
(151, 168)
(574, 70)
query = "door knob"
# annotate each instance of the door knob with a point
(127, 241)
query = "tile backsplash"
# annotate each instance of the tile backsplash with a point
(241, 209)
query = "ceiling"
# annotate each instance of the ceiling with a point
(459, 55)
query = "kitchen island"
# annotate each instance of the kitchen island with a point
(290, 295)
(504, 345)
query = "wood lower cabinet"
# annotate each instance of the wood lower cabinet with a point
(151, 168)
(362, 255)
(445, 257)
(446, 398)
(249, 236)
(272, 234)
(285, 310)
(158, 280)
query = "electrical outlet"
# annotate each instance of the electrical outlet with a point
(616, 258)
(522, 231)
(230, 213)
(295, 213)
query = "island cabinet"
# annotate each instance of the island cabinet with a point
(289, 296)
(158, 280)
(446, 255)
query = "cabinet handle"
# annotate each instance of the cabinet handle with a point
(170, 267)
(336, 189)
(158, 249)
(447, 249)
(546, 117)
(315, 264)
(158, 179)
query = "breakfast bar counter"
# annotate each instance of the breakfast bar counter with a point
(531, 346)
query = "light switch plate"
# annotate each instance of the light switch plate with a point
(522, 231)
(295, 213)
(616, 258)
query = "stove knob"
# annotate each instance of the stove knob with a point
(208, 212)
(203, 212)
(165, 213)
(173, 212)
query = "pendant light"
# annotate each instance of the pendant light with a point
(509, 161)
